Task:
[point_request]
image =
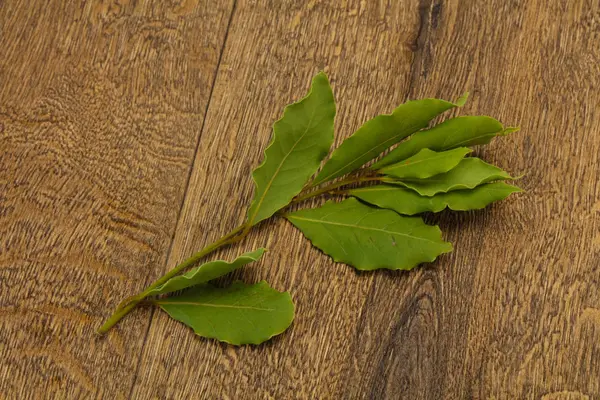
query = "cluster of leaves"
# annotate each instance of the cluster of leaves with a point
(373, 227)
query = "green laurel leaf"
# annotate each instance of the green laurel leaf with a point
(408, 202)
(455, 132)
(239, 314)
(370, 238)
(469, 173)
(206, 272)
(426, 163)
(301, 139)
(381, 132)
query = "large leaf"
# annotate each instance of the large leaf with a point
(370, 238)
(238, 314)
(469, 173)
(406, 201)
(301, 139)
(206, 272)
(426, 163)
(381, 132)
(455, 132)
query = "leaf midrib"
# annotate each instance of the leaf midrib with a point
(264, 195)
(367, 189)
(361, 227)
(412, 163)
(425, 181)
(193, 303)
(357, 158)
(471, 139)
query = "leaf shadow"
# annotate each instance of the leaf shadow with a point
(452, 222)
(264, 346)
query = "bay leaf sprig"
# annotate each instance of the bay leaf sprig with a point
(370, 223)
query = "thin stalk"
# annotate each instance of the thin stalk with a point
(127, 306)
(235, 235)
(329, 188)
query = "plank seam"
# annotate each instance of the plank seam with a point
(421, 41)
(185, 193)
(426, 10)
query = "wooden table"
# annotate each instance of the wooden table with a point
(128, 131)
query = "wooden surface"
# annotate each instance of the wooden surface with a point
(128, 131)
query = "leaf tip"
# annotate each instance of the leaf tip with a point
(462, 100)
(321, 75)
(517, 189)
(258, 253)
(509, 130)
(449, 248)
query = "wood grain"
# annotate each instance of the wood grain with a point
(99, 121)
(101, 106)
(472, 325)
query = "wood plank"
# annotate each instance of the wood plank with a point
(513, 313)
(273, 50)
(101, 106)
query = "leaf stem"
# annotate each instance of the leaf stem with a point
(234, 236)
(332, 186)
(129, 304)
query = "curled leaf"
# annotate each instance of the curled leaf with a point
(381, 132)
(455, 132)
(408, 202)
(426, 163)
(206, 272)
(239, 314)
(301, 139)
(469, 173)
(370, 238)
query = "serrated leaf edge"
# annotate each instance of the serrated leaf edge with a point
(315, 242)
(383, 188)
(501, 176)
(502, 131)
(250, 220)
(437, 154)
(460, 102)
(192, 273)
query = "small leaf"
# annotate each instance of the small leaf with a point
(408, 202)
(238, 314)
(426, 163)
(455, 132)
(379, 133)
(370, 238)
(469, 173)
(206, 272)
(301, 139)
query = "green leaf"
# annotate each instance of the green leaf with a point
(469, 173)
(408, 202)
(370, 238)
(381, 132)
(426, 163)
(206, 272)
(239, 314)
(455, 132)
(301, 139)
